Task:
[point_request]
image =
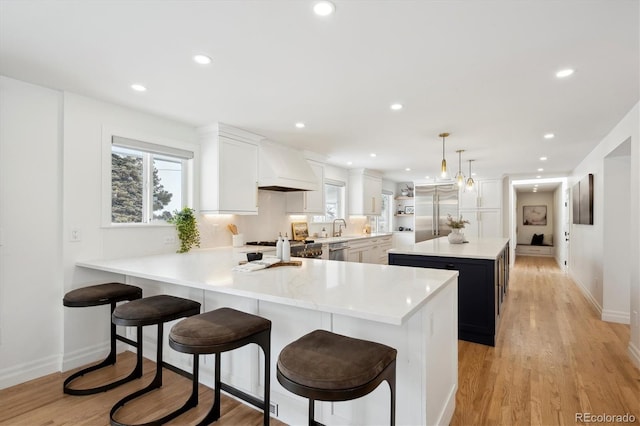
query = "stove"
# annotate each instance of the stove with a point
(306, 248)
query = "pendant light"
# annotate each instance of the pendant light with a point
(470, 182)
(459, 176)
(443, 168)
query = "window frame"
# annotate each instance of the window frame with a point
(150, 146)
(336, 183)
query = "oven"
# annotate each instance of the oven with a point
(307, 250)
(338, 251)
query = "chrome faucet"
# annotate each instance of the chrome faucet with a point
(339, 233)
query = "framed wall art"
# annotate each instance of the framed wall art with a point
(534, 215)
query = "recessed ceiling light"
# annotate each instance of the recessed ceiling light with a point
(538, 177)
(427, 177)
(541, 169)
(473, 174)
(535, 186)
(373, 154)
(396, 107)
(408, 169)
(300, 125)
(564, 73)
(349, 163)
(543, 158)
(324, 8)
(138, 87)
(549, 136)
(202, 59)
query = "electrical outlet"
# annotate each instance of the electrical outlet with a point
(170, 240)
(76, 235)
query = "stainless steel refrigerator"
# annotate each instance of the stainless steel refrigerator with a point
(432, 205)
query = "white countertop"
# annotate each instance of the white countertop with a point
(482, 248)
(388, 294)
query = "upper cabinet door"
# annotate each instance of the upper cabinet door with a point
(308, 201)
(365, 193)
(486, 195)
(228, 171)
(238, 176)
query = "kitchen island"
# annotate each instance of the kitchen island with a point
(483, 283)
(411, 309)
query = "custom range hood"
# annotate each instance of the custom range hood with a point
(284, 169)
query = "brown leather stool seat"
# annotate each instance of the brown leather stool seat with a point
(325, 366)
(149, 311)
(97, 295)
(220, 331)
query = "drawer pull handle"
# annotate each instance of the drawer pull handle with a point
(450, 266)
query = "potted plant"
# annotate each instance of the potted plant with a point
(456, 236)
(185, 221)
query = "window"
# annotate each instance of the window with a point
(333, 201)
(148, 181)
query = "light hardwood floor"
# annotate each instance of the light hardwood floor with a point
(553, 358)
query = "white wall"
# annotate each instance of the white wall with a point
(30, 218)
(587, 241)
(85, 123)
(617, 240)
(560, 214)
(525, 232)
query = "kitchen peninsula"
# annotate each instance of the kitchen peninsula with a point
(411, 309)
(483, 282)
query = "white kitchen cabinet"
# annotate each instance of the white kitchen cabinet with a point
(486, 195)
(358, 251)
(378, 250)
(485, 223)
(228, 170)
(301, 202)
(365, 192)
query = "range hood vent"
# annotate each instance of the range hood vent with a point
(284, 169)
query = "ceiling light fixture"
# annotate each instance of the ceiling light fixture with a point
(324, 8)
(541, 169)
(427, 177)
(408, 169)
(443, 165)
(138, 87)
(460, 176)
(372, 155)
(549, 136)
(202, 59)
(564, 73)
(538, 177)
(300, 125)
(396, 107)
(349, 163)
(470, 183)
(543, 158)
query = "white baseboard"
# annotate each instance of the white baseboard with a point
(20, 373)
(634, 354)
(616, 316)
(88, 355)
(450, 407)
(587, 294)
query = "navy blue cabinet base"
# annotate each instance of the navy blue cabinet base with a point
(482, 288)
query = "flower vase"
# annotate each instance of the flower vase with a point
(456, 236)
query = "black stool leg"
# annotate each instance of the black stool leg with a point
(214, 413)
(157, 382)
(108, 361)
(265, 344)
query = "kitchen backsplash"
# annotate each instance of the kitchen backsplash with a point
(271, 220)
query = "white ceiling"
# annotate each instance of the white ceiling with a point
(482, 70)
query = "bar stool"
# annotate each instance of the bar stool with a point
(220, 331)
(97, 295)
(325, 366)
(149, 311)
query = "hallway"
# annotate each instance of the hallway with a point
(553, 358)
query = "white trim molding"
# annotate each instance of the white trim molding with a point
(616, 316)
(634, 354)
(587, 294)
(21, 373)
